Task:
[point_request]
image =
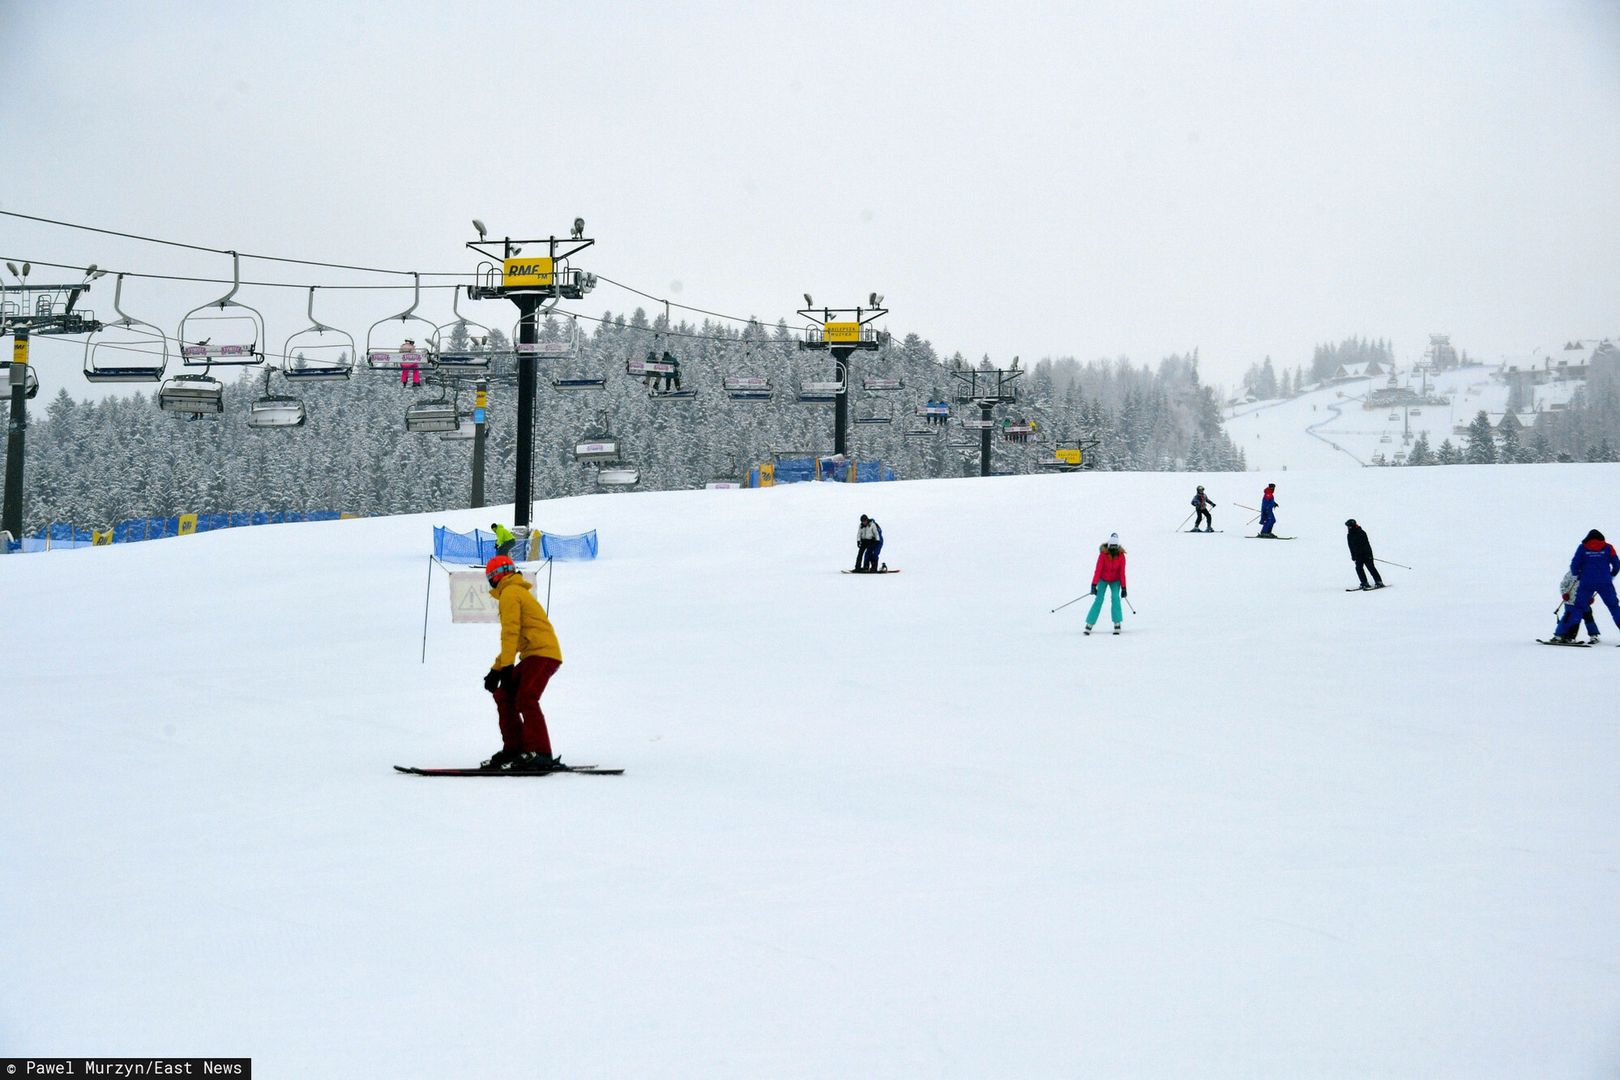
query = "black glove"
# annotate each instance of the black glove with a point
(492, 680)
(1094, 590)
(1124, 592)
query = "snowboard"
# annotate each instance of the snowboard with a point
(589, 770)
(1565, 644)
(870, 573)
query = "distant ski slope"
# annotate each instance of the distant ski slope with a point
(1329, 428)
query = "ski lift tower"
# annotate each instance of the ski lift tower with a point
(536, 283)
(986, 388)
(26, 310)
(843, 332)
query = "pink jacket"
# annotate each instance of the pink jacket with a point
(1110, 567)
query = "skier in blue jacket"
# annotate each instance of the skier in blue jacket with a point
(1595, 565)
(1268, 510)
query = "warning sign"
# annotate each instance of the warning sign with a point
(470, 600)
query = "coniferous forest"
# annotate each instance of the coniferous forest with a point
(92, 464)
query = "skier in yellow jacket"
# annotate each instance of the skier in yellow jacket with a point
(529, 657)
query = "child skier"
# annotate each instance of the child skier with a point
(1566, 589)
(1595, 565)
(529, 657)
(1202, 503)
(1110, 573)
(1268, 510)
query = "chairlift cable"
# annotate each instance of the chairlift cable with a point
(215, 251)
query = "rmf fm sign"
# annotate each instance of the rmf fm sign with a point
(526, 273)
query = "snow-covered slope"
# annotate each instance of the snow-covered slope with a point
(880, 827)
(1328, 428)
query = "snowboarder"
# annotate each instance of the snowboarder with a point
(1361, 552)
(868, 542)
(504, 540)
(1268, 510)
(529, 657)
(1595, 565)
(1110, 573)
(1202, 503)
(1566, 590)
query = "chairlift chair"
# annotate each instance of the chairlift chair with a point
(474, 353)
(403, 357)
(748, 388)
(318, 353)
(109, 352)
(275, 410)
(882, 385)
(585, 375)
(600, 450)
(198, 332)
(467, 429)
(441, 414)
(564, 348)
(874, 419)
(30, 381)
(192, 395)
(618, 476)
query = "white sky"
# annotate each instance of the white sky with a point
(1033, 179)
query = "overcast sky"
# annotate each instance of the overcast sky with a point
(1033, 179)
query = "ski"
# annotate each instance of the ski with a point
(1204, 530)
(589, 770)
(1273, 536)
(869, 573)
(1565, 644)
(1373, 588)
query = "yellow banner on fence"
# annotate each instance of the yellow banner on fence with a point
(101, 537)
(188, 524)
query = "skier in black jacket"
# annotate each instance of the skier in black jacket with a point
(1361, 552)
(1201, 503)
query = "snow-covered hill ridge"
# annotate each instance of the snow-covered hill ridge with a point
(1329, 427)
(883, 827)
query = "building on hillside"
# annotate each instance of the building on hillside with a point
(1370, 370)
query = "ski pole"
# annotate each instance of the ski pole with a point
(1076, 600)
(1256, 509)
(1184, 521)
(1386, 562)
(1128, 604)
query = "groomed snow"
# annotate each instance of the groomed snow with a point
(871, 827)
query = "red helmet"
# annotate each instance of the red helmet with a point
(497, 568)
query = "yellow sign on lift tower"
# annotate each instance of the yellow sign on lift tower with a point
(842, 331)
(527, 273)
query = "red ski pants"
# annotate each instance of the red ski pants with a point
(523, 725)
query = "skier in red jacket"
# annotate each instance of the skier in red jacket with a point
(1110, 574)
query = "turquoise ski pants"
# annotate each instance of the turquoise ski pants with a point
(1103, 588)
